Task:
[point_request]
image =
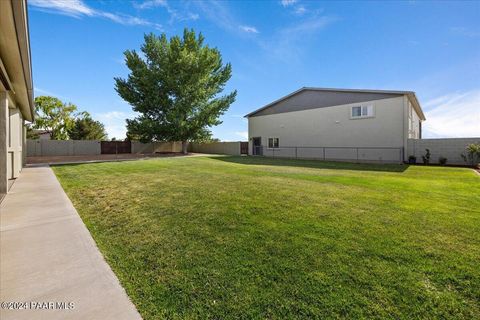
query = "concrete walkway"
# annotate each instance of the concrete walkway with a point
(48, 256)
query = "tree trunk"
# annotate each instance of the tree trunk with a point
(184, 147)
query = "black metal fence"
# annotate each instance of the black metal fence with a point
(358, 154)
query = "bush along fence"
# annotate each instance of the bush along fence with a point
(441, 151)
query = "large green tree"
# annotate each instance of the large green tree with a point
(55, 116)
(175, 87)
(86, 128)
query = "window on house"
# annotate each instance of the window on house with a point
(273, 142)
(362, 111)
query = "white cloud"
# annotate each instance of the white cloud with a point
(193, 16)
(78, 9)
(174, 14)
(150, 4)
(114, 122)
(287, 3)
(289, 42)
(75, 8)
(249, 29)
(308, 26)
(41, 92)
(453, 115)
(465, 32)
(243, 134)
(219, 14)
(300, 10)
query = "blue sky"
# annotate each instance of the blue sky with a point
(275, 47)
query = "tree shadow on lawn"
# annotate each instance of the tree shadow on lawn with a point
(316, 164)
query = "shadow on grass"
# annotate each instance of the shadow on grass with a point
(317, 164)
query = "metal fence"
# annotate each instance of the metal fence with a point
(357, 154)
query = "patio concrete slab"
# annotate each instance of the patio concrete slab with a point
(47, 255)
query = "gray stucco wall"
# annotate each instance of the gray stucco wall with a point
(230, 148)
(334, 127)
(450, 148)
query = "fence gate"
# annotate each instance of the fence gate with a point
(243, 147)
(115, 147)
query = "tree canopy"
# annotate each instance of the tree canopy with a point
(59, 119)
(175, 86)
(86, 128)
(55, 116)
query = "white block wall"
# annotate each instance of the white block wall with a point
(450, 148)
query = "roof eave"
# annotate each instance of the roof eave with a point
(274, 102)
(410, 94)
(416, 105)
(20, 17)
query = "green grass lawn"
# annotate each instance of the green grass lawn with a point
(256, 238)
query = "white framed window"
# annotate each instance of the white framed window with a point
(273, 143)
(364, 111)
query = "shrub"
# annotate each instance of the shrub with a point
(472, 154)
(426, 157)
(442, 161)
(412, 159)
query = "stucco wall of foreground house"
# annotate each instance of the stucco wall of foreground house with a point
(12, 134)
(450, 148)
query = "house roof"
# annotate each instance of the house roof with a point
(15, 59)
(331, 97)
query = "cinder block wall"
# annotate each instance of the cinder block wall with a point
(39, 148)
(139, 147)
(230, 148)
(450, 148)
(44, 148)
(173, 146)
(152, 147)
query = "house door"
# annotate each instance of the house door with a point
(243, 147)
(257, 146)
